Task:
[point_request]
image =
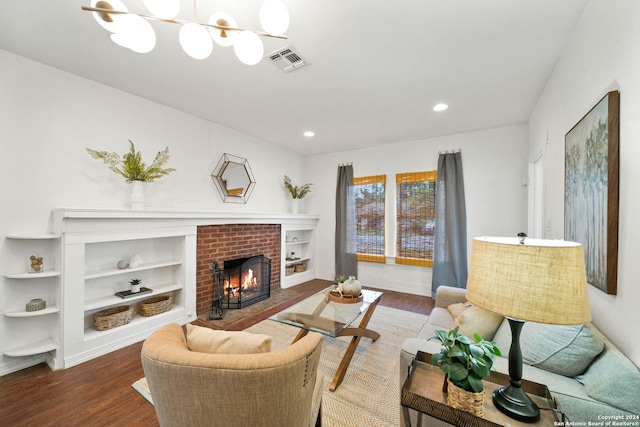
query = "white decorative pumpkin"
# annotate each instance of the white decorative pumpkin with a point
(351, 287)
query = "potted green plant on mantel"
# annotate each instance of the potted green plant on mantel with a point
(465, 363)
(297, 192)
(134, 170)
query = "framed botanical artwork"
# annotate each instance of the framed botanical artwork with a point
(591, 169)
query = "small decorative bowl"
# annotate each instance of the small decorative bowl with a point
(36, 304)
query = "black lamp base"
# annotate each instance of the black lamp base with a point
(514, 402)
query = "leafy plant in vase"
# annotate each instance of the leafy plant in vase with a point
(134, 170)
(297, 192)
(465, 362)
(135, 285)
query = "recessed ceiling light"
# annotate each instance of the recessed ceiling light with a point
(440, 107)
(309, 134)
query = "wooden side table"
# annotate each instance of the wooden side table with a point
(422, 391)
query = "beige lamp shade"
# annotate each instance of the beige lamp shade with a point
(541, 281)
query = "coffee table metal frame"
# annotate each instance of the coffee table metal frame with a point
(317, 313)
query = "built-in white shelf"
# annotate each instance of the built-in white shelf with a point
(44, 274)
(24, 313)
(116, 271)
(45, 236)
(97, 303)
(296, 261)
(298, 243)
(32, 348)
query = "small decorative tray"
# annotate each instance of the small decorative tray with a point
(129, 294)
(336, 296)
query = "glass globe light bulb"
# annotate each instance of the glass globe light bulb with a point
(248, 47)
(165, 9)
(195, 40)
(141, 34)
(274, 17)
(137, 34)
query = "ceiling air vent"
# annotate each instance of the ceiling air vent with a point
(287, 59)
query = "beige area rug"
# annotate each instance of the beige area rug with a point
(370, 392)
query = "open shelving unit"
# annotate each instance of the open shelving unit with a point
(36, 334)
(92, 280)
(298, 254)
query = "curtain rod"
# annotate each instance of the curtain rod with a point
(459, 150)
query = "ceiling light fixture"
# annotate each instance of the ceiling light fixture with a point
(133, 31)
(309, 134)
(440, 107)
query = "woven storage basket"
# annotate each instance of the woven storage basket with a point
(155, 305)
(300, 268)
(289, 270)
(465, 400)
(113, 317)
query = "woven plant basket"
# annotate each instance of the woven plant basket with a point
(113, 317)
(465, 400)
(155, 305)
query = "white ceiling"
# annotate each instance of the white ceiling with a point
(377, 67)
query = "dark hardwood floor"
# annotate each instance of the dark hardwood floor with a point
(99, 393)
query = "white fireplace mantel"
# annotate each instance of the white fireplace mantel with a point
(63, 217)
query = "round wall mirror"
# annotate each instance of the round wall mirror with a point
(233, 178)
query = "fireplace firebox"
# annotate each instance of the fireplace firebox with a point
(242, 282)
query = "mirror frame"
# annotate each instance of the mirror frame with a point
(217, 177)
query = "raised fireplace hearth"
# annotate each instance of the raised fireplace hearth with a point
(242, 282)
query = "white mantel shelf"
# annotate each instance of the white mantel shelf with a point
(191, 217)
(67, 221)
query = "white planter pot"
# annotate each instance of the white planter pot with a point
(137, 195)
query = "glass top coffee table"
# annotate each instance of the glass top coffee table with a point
(318, 313)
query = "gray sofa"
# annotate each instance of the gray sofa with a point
(586, 374)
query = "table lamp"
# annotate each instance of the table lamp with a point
(526, 279)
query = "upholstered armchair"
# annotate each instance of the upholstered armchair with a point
(270, 389)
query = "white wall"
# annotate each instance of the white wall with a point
(495, 168)
(601, 56)
(48, 117)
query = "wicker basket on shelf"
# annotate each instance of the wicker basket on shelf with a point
(155, 305)
(113, 317)
(300, 268)
(290, 270)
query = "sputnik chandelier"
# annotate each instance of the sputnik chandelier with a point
(133, 30)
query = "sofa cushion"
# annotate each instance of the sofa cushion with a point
(562, 349)
(206, 340)
(613, 379)
(476, 320)
(455, 310)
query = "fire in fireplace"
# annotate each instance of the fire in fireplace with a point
(243, 282)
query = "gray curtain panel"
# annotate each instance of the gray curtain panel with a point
(450, 240)
(346, 262)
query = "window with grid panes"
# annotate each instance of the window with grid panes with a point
(415, 217)
(370, 217)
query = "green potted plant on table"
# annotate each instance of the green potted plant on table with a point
(465, 362)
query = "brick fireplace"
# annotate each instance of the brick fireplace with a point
(231, 241)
